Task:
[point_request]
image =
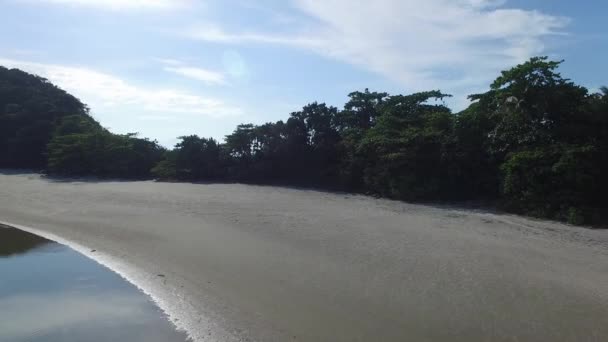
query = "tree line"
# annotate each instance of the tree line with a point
(535, 142)
(44, 128)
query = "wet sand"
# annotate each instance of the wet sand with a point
(238, 262)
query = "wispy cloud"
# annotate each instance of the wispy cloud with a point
(168, 61)
(420, 44)
(103, 91)
(216, 34)
(196, 73)
(207, 76)
(120, 4)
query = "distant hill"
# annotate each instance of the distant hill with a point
(31, 108)
(43, 127)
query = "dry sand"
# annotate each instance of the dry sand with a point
(238, 262)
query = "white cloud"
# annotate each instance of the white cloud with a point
(215, 34)
(121, 4)
(195, 73)
(207, 76)
(104, 91)
(456, 44)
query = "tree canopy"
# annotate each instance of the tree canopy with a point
(43, 127)
(30, 108)
(535, 142)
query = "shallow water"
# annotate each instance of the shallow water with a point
(49, 293)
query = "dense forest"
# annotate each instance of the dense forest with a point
(43, 127)
(535, 143)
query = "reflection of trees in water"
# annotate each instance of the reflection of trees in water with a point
(14, 241)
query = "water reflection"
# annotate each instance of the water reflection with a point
(13, 241)
(50, 293)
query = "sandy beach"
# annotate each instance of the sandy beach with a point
(231, 262)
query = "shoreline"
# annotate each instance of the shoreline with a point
(173, 313)
(256, 263)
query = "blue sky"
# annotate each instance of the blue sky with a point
(167, 68)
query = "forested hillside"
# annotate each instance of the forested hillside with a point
(30, 108)
(535, 142)
(43, 127)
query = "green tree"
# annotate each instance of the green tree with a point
(535, 142)
(404, 151)
(198, 158)
(360, 114)
(548, 137)
(30, 107)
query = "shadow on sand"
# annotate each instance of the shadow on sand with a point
(481, 206)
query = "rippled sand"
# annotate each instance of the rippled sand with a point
(237, 262)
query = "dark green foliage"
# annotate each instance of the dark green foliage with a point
(303, 150)
(166, 169)
(360, 114)
(548, 137)
(550, 181)
(405, 150)
(473, 169)
(535, 142)
(42, 126)
(30, 107)
(102, 154)
(198, 158)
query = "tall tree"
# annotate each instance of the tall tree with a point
(404, 151)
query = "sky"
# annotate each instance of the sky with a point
(167, 68)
